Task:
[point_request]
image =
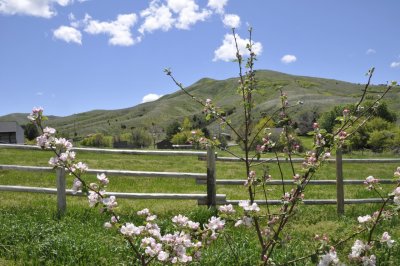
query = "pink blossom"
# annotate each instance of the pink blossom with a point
(63, 157)
(163, 256)
(227, 209)
(245, 220)
(144, 212)
(42, 141)
(36, 113)
(76, 185)
(342, 135)
(386, 238)
(286, 197)
(356, 250)
(62, 143)
(110, 203)
(37, 110)
(396, 191)
(81, 167)
(215, 223)
(103, 179)
(397, 173)
(151, 218)
(107, 225)
(114, 219)
(370, 181)
(93, 198)
(180, 220)
(49, 131)
(326, 155)
(329, 258)
(368, 261)
(193, 225)
(130, 229)
(53, 161)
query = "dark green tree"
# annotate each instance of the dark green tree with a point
(31, 131)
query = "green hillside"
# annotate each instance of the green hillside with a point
(317, 94)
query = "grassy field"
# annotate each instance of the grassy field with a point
(31, 234)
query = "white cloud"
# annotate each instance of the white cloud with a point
(180, 14)
(370, 51)
(39, 93)
(231, 20)
(395, 64)
(156, 17)
(119, 29)
(79, 23)
(217, 5)
(151, 97)
(64, 2)
(37, 8)
(188, 13)
(287, 59)
(68, 34)
(227, 51)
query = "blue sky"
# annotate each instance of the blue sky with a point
(70, 56)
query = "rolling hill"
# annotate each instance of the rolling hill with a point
(318, 94)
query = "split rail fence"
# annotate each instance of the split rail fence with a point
(211, 199)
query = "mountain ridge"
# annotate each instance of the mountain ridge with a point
(318, 94)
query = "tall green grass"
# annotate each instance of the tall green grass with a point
(31, 234)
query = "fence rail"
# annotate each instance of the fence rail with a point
(115, 151)
(208, 178)
(210, 198)
(197, 176)
(199, 197)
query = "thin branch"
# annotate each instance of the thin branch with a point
(281, 173)
(218, 115)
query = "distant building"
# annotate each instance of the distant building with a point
(11, 133)
(164, 144)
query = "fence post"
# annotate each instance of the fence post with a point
(211, 189)
(61, 196)
(339, 182)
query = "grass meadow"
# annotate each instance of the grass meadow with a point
(31, 233)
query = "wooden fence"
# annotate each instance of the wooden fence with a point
(208, 178)
(209, 199)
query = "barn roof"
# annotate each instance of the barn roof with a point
(9, 127)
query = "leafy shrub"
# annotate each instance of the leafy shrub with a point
(380, 140)
(97, 140)
(140, 138)
(185, 137)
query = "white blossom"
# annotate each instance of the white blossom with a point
(329, 258)
(357, 249)
(364, 219)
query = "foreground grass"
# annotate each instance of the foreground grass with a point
(34, 236)
(31, 234)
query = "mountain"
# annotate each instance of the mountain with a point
(318, 95)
